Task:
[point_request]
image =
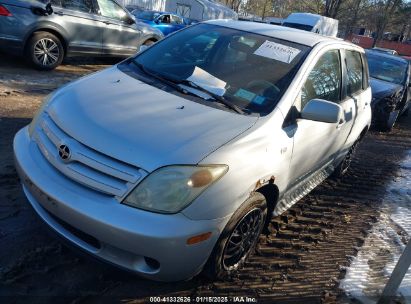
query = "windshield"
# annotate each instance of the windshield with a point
(304, 27)
(387, 69)
(248, 70)
(146, 15)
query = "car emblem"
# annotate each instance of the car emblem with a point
(64, 152)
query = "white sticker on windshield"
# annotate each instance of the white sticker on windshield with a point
(277, 51)
(207, 81)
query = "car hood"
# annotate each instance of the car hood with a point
(139, 124)
(381, 88)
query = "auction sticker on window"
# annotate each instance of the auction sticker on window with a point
(277, 51)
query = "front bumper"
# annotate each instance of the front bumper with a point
(100, 225)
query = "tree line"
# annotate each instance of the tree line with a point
(377, 16)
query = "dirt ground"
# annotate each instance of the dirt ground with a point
(303, 258)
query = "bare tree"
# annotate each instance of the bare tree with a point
(384, 13)
(332, 7)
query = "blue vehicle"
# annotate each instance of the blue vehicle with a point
(163, 21)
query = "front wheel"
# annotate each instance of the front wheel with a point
(44, 51)
(238, 240)
(386, 118)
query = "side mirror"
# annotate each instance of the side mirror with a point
(49, 9)
(322, 110)
(40, 11)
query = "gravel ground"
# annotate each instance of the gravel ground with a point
(304, 257)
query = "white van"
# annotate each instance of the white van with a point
(312, 23)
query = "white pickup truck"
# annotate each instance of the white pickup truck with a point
(312, 23)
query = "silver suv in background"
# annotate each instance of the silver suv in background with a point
(47, 33)
(187, 149)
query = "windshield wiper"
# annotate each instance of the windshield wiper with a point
(216, 97)
(176, 85)
(167, 81)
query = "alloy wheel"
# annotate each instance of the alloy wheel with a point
(46, 51)
(243, 238)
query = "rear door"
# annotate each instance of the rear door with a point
(121, 37)
(355, 101)
(78, 18)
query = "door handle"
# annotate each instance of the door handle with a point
(107, 22)
(59, 13)
(340, 123)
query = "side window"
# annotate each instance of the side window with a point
(165, 19)
(176, 20)
(354, 72)
(85, 6)
(110, 9)
(324, 81)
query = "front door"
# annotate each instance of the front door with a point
(315, 143)
(165, 24)
(80, 21)
(121, 37)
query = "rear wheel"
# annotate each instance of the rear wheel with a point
(239, 238)
(342, 168)
(44, 51)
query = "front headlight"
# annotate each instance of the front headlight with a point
(40, 110)
(170, 189)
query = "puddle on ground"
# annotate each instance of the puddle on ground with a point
(369, 271)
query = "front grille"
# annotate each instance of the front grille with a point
(85, 165)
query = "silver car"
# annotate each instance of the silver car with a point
(46, 34)
(174, 160)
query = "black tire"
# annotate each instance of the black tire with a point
(342, 168)
(254, 212)
(386, 120)
(44, 51)
(403, 106)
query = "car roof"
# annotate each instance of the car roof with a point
(277, 31)
(386, 55)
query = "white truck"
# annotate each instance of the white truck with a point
(312, 23)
